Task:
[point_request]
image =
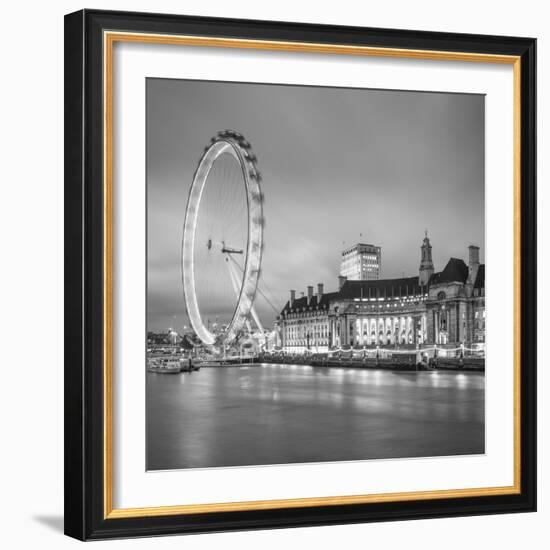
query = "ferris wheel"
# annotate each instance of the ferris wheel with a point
(223, 239)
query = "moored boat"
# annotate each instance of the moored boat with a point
(163, 365)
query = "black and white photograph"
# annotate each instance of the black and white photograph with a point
(315, 274)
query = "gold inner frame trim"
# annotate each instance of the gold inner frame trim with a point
(109, 39)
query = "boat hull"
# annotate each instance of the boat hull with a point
(164, 370)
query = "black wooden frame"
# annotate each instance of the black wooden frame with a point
(84, 517)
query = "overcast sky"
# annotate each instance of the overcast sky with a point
(336, 164)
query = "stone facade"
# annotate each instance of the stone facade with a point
(443, 308)
(303, 323)
(388, 313)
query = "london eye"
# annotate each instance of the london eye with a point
(223, 240)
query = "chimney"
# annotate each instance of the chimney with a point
(319, 292)
(309, 294)
(473, 263)
(474, 254)
(341, 280)
(292, 297)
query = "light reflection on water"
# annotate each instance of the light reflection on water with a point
(274, 414)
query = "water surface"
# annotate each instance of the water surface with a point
(275, 414)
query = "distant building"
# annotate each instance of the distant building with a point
(168, 337)
(444, 308)
(361, 262)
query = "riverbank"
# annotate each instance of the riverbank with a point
(400, 363)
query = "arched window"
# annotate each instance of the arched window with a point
(441, 295)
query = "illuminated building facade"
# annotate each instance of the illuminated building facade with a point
(304, 322)
(361, 262)
(444, 308)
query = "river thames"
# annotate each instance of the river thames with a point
(276, 414)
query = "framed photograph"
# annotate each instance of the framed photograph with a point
(300, 274)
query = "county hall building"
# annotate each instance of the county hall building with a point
(445, 308)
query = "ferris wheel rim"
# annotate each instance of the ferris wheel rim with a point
(233, 143)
